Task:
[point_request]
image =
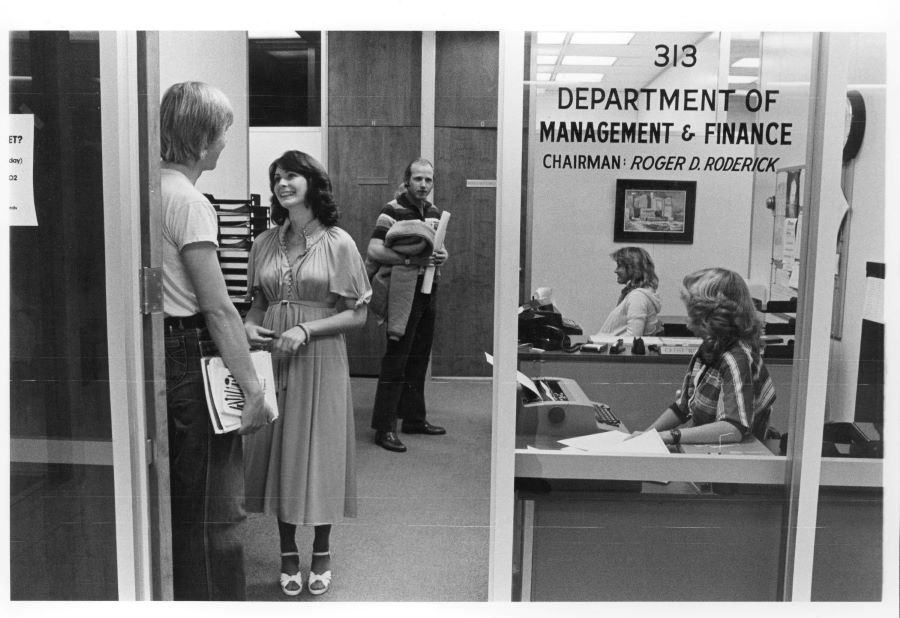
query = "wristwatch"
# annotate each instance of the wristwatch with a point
(676, 435)
(406, 262)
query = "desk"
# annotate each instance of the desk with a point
(639, 387)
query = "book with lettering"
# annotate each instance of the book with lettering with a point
(224, 397)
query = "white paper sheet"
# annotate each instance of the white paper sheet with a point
(619, 442)
(521, 378)
(566, 449)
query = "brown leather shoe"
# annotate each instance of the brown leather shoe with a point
(423, 427)
(389, 440)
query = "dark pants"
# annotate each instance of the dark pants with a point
(206, 481)
(401, 384)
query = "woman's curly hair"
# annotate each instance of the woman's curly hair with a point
(318, 197)
(720, 309)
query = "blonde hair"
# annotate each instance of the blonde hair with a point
(720, 307)
(192, 115)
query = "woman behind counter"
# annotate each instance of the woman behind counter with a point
(637, 310)
(309, 286)
(727, 392)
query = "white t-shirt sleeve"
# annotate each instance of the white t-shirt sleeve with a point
(194, 222)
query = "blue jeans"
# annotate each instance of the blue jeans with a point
(206, 482)
(401, 384)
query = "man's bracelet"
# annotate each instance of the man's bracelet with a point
(306, 332)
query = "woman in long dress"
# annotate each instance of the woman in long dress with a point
(308, 286)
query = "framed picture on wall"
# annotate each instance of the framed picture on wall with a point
(659, 211)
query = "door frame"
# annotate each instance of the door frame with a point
(156, 416)
(129, 99)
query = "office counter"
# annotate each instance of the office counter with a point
(686, 528)
(639, 387)
(690, 527)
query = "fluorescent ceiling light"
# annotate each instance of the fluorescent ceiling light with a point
(579, 77)
(546, 59)
(741, 79)
(602, 38)
(550, 38)
(746, 63)
(604, 61)
(272, 34)
(287, 54)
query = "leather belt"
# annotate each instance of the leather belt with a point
(173, 324)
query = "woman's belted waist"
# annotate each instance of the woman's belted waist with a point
(306, 303)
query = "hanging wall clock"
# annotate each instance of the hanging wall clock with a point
(854, 124)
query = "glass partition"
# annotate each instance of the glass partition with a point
(847, 562)
(62, 503)
(694, 147)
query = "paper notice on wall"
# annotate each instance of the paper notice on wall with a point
(794, 280)
(873, 309)
(798, 231)
(788, 241)
(21, 175)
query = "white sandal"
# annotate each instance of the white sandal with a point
(324, 578)
(291, 585)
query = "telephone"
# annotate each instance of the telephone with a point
(543, 326)
(842, 439)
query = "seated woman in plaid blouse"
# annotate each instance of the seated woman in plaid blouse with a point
(727, 392)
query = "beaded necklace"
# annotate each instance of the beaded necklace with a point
(307, 232)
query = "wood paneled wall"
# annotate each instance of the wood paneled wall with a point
(374, 121)
(467, 73)
(374, 79)
(374, 111)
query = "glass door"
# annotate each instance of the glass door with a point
(78, 445)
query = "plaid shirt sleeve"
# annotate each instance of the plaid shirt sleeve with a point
(736, 389)
(681, 404)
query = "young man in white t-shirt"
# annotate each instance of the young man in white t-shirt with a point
(206, 470)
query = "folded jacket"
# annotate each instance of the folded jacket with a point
(394, 287)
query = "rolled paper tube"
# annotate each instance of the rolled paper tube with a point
(428, 280)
